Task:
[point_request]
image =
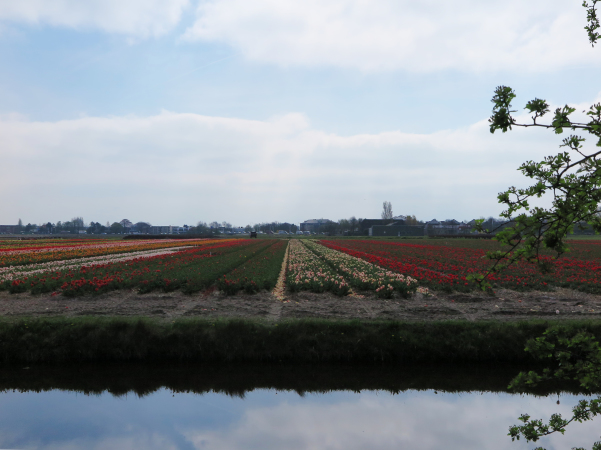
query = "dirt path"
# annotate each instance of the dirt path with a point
(506, 306)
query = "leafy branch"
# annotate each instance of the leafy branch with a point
(572, 178)
(576, 358)
(593, 21)
(533, 430)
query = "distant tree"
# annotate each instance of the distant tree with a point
(68, 227)
(126, 224)
(96, 228)
(200, 228)
(77, 224)
(142, 227)
(330, 228)
(354, 223)
(344, 225)
(214, 225)
(116, 228)
(387, 211)
(410, 220)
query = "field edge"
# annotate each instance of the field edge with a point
(138, 339)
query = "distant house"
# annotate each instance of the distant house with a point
(314, 225)
(8, 229)
(180, 230)
(449, 226)
(464, 228)
(396, 230)
(454, 227)
(490, 224)
(432, 223)
(366, 224)
(161, 230)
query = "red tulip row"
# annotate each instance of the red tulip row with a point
(447, 267)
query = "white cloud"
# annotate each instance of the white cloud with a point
(186, 167)
(463, 35)
(138, 18)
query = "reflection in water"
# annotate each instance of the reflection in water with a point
(379, 408)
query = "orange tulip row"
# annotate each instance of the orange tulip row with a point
(71, 250)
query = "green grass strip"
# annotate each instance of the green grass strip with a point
(94, 339)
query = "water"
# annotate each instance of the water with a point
(271, 407)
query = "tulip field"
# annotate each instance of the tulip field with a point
(446, 266)
(338, 266)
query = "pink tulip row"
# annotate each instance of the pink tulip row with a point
(367, 276)
(308, 272)
(14, 272)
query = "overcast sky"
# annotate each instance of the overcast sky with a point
(175, 111)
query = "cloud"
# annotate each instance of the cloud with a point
(132, 442)
(422, 421)
(137, 18)
(172, 168)
(388, 35)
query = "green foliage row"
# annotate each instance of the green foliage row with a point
(120, 339)
(259, 272)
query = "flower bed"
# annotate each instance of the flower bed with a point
(13, 256)
(307, 272)
(191, 269)
(367, 276)
(447, 267)
(260, 271)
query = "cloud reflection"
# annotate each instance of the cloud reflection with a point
(269, 419)
(381, 421)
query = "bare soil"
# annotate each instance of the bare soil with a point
(507, 305)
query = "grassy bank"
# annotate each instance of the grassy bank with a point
(88, 339)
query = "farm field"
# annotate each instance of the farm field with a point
(445, 264)
(76, 268)
(338, 278)
(338, 266)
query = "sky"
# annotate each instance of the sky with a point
(179, 111)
